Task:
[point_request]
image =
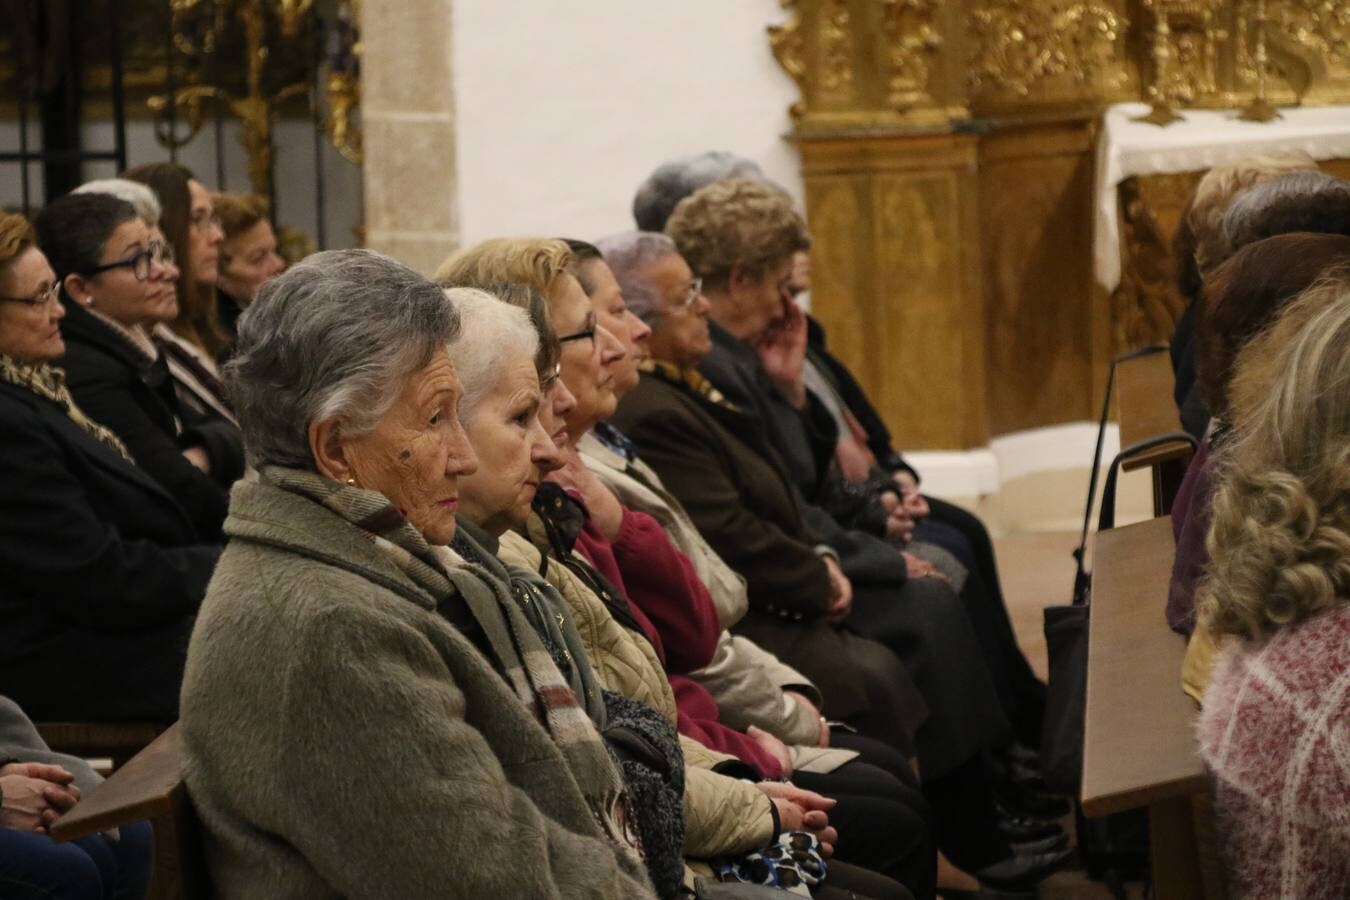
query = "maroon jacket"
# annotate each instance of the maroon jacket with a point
(678, 616)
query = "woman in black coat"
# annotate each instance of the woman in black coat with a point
(103, 570)
(117, 280)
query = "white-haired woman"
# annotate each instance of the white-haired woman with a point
(364, 714)
(1276, 723)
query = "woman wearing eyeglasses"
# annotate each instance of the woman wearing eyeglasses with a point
(103, 570)
(116, 279)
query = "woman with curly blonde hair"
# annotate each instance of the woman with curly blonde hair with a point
(1275, 729)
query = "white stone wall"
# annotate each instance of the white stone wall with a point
(562, 108)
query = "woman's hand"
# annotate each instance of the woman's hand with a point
(774, 747)
(814, 812)
(841, 592)
(922, 568)
(35, 795)
(899, 522)
(782, 351)
(810, 708)
(197, 456)
(605, 511)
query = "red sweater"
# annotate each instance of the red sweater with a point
(678, 617)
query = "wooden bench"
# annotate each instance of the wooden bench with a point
(149, 786)
(1145, 409)
(1138, 740)
(116, 741)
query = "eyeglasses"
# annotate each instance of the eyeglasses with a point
(139, 263)
(688, 300)
(204, 218)
(44, 297)
(586, 334)
(547, 382)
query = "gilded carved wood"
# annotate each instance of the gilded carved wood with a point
(948, 155)
(878, 62)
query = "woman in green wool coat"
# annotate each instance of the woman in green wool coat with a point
(364, 714)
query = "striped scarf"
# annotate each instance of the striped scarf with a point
(49, 383)
(520, 655)
(690, 378)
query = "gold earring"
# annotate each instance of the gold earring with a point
(351, 482)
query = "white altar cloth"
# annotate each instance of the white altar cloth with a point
(1205, 139)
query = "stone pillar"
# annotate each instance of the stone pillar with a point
(407, 112)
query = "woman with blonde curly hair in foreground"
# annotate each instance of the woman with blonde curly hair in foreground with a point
(1275, 729)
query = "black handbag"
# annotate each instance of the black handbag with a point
(1114, 846)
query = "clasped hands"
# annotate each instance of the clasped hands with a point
(35, 795)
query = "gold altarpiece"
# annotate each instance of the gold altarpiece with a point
(948, 154)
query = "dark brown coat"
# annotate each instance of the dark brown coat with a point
(710, 457)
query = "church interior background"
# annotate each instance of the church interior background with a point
(991, 222)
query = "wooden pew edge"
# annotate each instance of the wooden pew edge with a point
(107, 805)
(1106, 804)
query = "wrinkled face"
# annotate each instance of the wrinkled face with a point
(558, 405)
(681, 333)
(763, 297)
(204, 235)
(247, 260)
(29, 332)
(162, 285)
(587, 362)
(612, 312)
(418, 451)
(116, 292)
(514, 447)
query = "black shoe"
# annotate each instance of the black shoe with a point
(1021, 872)
(1022, 800)
(1020, 753)
(1018, 829)
(1044, 845)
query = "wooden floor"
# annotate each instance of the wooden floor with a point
(1037, 570)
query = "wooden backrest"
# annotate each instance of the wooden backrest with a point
(1145, 409)
(1144, 404)
(114, 740)
(149, 786)
(1138, 737)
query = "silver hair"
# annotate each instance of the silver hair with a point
(333, 337)
(627, 254)
(675, 179)
(491, 331)
(140, 196)
(1300, 201)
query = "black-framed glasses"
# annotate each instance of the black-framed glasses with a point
(585, 334)
(139, 263)
(45, 297)
(686, 303)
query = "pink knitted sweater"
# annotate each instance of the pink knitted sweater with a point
(1275, 731)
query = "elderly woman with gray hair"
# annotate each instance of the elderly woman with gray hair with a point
(451, 759)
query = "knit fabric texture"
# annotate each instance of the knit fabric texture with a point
(1275, 731)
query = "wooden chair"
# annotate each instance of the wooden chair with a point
(1139, 735)
(1145, 410)
(149, 786)
(118, 742)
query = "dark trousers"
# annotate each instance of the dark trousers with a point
(1021, 693)
(34, 867)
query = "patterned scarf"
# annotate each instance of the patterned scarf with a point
(615, 440)
(520, 655)
(49, 383)
(690, 378)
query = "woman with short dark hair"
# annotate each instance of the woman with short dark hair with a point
(116, 282)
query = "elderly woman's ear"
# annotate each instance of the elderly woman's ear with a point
(325, 443)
